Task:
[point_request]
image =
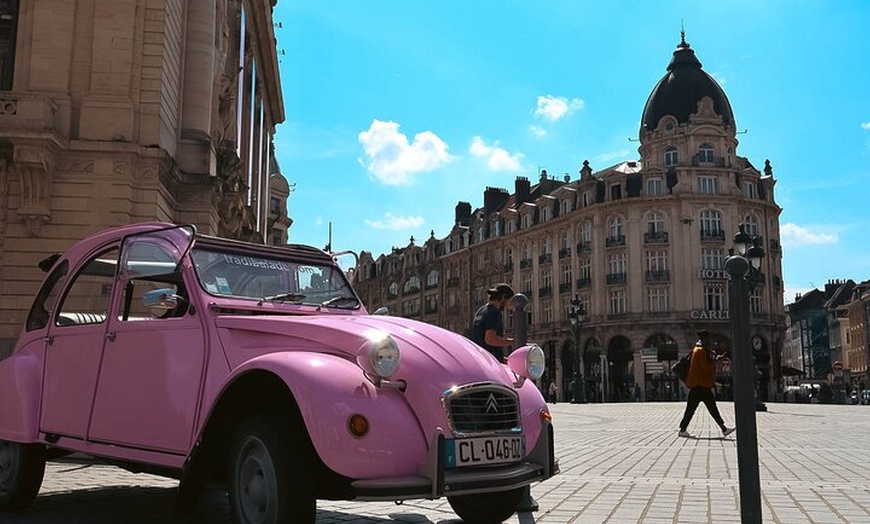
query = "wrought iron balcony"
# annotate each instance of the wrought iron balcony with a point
(545, 291)
(584, 282)
(565, 252)
(564, 287)
(656, 237)
(658, 275)
(615, 241)
(526, 263)
(585, 245)
(546, 258)
(616, 278)
(709, 235)
(716, 161)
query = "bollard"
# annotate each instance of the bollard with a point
(520, 334)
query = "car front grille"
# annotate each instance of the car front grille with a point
(482, 408)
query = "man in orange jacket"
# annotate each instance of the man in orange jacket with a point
(701, 381)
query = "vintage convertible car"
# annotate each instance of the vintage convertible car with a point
(205, 359)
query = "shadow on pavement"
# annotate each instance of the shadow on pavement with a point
(154, 505)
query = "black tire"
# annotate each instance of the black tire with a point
(269, 474)
(22, 467)
(486, 508)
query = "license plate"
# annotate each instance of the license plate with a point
(484, 451)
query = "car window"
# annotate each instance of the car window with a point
(150, 264)
(87, 298)
(46, 299)
(245, 276)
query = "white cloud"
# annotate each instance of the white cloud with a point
(794, 235)
(538, 131)
(553, 108)
(497, 158)
(611, 156)
(395, 223)
(394, 161)
(865, 126)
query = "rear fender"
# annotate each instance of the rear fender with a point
(20, 397)
(328, 390)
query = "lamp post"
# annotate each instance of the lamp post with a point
(744, 271)
(577, 316)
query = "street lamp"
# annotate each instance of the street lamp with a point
(577, 316)
(744, 271)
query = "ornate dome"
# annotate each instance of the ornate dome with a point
(679, 91)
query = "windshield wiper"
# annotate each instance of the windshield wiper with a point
(341, 301)
(283, 297)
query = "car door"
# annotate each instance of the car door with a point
(74, 345)
(152, 367)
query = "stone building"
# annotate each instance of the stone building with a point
(641, 244)
(118, 111)
(856, 344)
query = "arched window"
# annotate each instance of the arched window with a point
(751, 224)
(547, 246)
(566, 240)
(655, 222)
(705, 154)
(617, 226)
(527, 250)
(412, 285)
(671, 157)
(711, 222)
(432, 278)
(393, 292)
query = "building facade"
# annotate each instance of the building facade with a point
(641, 244)
(119, 111)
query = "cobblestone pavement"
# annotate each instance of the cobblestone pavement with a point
(621, 463)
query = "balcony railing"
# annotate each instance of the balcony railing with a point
(546, 258)
(411, 290)
(453, 282)
(712, 236)
(658, 275)
(565, 252)
(526, 263)
(656, 237)
(545, 291)
(564, 287)
(717, 161)
(584, 282)
(585, 245)
(616, 278)
(615, 241)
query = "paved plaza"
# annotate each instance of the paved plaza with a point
(621, 463)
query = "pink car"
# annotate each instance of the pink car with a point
(206, 359)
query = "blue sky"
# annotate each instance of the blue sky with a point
(396, 110)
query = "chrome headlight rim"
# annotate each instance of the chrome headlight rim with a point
(380, 355)
(536, 363)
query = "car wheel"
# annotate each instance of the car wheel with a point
(486, 508)
(269, 474)
(22, 467)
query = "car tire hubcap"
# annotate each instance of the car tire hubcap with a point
(257, 483)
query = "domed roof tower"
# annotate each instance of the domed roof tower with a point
(681, 89)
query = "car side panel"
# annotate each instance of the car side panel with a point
(20, 391)
(328, 391)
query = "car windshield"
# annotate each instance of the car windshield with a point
(272, 278)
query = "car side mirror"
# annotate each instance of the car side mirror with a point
(383, 310)
(162, 299)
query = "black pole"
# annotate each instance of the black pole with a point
(578, 395)
(520, 336)
(738, 269)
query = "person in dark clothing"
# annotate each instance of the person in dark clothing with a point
(487, 328)
(701, 381)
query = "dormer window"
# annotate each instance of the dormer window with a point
(671, 157)
(705, 154)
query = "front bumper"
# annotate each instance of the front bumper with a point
(438, 481)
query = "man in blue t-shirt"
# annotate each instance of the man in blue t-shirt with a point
(487, 329)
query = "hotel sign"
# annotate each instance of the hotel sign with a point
(702, 314)
(714, 274)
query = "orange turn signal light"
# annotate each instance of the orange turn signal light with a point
(545, 415)
(358, 425)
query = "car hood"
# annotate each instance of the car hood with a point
(433, 360)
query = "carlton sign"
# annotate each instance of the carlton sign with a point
(702, 314)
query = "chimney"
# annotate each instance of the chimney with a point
(523, 190)
(831, 288)
(494, 198)
(463, 214)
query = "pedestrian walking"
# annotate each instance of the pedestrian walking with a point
(701, 382)
(553, 391)
(487, 328)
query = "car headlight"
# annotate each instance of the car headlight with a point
(528, 361)
(379, 354)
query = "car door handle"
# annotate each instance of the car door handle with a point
(110, 336)
(49, 339)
